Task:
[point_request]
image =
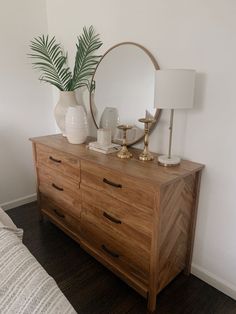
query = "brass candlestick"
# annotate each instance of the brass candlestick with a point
(146, 155)
(124, 153)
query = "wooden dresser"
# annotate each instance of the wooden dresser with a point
(136, 218)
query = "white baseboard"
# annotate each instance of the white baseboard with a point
(19, 201)
(215, 281)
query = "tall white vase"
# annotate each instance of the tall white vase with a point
(76, 125)
(67, 99)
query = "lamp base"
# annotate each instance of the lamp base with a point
(168, 162)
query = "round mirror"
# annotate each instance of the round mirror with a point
(124, 90)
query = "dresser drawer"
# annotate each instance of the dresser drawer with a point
(125, 251)
(59, 215)
(134, 223)
(125, 188)
(60, 189)
(59, 161)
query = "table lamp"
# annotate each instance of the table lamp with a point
(174, 89)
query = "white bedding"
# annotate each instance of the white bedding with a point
(6, 220)
(25, 287)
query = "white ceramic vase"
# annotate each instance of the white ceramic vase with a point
(76, 125)
(110, 119)
(67, 99)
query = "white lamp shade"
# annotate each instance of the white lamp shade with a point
(174, 89)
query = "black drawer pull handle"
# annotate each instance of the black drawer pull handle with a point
(58, 214)
(116, 185)
(57, 187)
(116, 221)
(55, 160)
(109, 252)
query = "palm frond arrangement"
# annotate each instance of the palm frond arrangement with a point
(50, 59)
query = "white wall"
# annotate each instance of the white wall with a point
(25, 104)
(196, 34)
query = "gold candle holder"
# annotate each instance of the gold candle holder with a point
(146, 155)
(124, 153)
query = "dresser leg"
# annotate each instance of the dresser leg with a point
(151, 302)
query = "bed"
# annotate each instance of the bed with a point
(25, 287)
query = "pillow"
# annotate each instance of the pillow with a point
(7, 223)
(6, 220)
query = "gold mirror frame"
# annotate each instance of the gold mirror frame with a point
(156, 66)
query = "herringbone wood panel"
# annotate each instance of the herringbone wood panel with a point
(176, 209)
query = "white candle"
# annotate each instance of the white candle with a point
(104, 137)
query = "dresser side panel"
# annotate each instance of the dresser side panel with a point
(176, 215)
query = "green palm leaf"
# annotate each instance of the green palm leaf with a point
(85, 60)
(53, 62)
(49, 58)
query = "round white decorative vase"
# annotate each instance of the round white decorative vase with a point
(76, 125)
(67, 99)
(110, 119)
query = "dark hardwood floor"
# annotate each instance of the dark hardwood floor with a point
(91, 288)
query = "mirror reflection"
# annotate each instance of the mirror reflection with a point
(124, 91)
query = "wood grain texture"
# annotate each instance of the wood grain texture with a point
(122, 233)
(133, 220)
(193, 220)
(137, 218)
(58, 161)
(132, 191)
(147, 172)
(116, 268)
(176, 212)
(60, 188)
(60, 216)
(155, 254)
(130, 253)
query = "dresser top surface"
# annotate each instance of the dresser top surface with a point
(145, 170)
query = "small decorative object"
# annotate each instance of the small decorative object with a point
(104, 137)
(146, 155)
(50, 59)
(174, 90)
(124, 153)
(112, 148)
(110, 119)
(76, 125)
(130, 136)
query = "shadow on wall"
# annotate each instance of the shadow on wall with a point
(16, 164)
(200, 91)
